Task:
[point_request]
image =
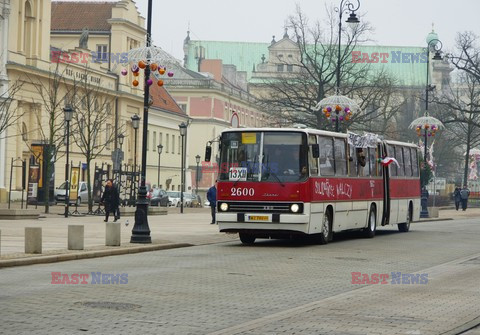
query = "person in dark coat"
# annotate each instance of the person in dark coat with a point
(111, 200)
(212, 198)
(456, 197)
(464, 193)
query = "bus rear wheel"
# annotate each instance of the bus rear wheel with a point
(369, 232)
(405, 226)
(246, 238)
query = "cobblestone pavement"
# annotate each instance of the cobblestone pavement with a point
(272, 287)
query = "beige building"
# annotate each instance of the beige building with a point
(71, 42)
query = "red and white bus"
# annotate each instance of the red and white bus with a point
(276, 183)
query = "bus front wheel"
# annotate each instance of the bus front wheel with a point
(246, 238)
(326, 235)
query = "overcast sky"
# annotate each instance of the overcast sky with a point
(396, 22)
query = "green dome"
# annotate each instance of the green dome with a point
(432, 36)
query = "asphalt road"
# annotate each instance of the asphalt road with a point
(272, 287)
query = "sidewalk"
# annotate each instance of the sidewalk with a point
(167, 231)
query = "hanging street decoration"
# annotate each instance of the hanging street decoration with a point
(337, 108)
(426, 125)
(153, 58)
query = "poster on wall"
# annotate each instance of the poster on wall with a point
(75, 177)
(33, 178)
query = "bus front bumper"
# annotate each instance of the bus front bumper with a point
(261, 221)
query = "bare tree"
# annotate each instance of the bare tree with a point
(459, 110)
(8, 115)
(293, 95)
(50, 119)
(93, 132)
(467, 56)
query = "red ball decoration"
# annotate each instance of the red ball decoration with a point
(141, 64)
(161, 70)
(160, 83)
(153, 67)
(135, 83)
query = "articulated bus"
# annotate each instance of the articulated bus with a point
(278, 183)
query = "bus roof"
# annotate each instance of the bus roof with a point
(311, 131)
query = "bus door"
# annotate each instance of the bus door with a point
(386, 186)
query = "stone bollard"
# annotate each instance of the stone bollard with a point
(112, 234)
(33, 240)
(75, 237)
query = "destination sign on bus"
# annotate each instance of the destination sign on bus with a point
(237, 174)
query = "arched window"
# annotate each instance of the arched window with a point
(28, 24)
(24, 132)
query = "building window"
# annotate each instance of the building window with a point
(168, 138)
(154, 141)
(108, 135)
(179, 145)
(280, 67)
(102, 53)
(160, 138)
(148, 138)
(289, 68)
(24, 132)
(173, 144)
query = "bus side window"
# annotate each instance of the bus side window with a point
(313, 162)
(372, 159)
(408, 162)
(352, 161)
(327, 161)
(340, 157)
(379, 166)
(399, 157)
(414, 161)
(393, 166)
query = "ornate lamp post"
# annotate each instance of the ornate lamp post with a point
(68, 117)
(159, 149)
(183, 133)
(337, 107)
(135, 124)
(426, 126)
(197, 159)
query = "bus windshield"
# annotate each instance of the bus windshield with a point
(263, 156)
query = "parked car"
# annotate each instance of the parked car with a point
(159, 198)
(59, 193)
(173, 198)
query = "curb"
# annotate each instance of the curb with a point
(89, 254)
(434, 219)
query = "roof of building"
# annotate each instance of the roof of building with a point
(163, 100)
(77, 15)
(246, 55)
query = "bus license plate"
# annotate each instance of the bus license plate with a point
(257, 218)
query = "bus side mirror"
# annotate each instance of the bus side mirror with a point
(208, 153)
(315, 151)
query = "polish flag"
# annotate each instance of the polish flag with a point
(389, 160)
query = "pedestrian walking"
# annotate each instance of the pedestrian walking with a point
(212, 199)
(111, 200)
(464, 193)
(457, 198)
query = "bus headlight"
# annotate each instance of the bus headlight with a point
(224, 207)
(294, 208)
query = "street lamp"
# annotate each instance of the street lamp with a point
(68, 117)
(183, 133)
(426, 126)
(121, 138)
(345, 7)
(159, 149)
(337, 107)
(197, 159)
